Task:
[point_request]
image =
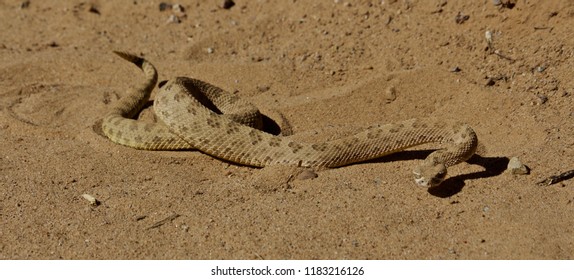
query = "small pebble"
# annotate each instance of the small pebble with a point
(25, 4)
(455, 69)
(488, 36)
(93, 201)
(263, 88)
(542, 99)
(390, 94)
(515, 166)
(210, 50)
(177, 8)
(164, 6)
(460, 18)
(490, 82)
(173, 19)
(94, 10)
(496, 2)
(227, 4)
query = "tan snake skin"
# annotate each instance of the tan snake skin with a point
(185, 106)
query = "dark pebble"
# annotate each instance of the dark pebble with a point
(227, 4)
(164, 6)
(94, 10)
(455, 69)
(25, 4)
(460, 18)
(490, 82)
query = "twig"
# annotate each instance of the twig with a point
(168, 219)
(557, 178)
(496, 52)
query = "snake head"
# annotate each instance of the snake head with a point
(430, 175)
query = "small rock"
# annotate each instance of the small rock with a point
(496, 2)
(93, 201)
(210, 50)
(516, 167)
(227, 4)
(509, 4)
(94, 10)
(542, 99)
(164, 6)
(390, 94)
(488, 37)
(173, 19)
(25, 4)
(460, 18)
(490, 82)
(455, 69)
(387, 19)
(540, 69)
(177, 8)
(263, 88)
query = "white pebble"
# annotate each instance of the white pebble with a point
(93, 201)
(488, 36)
(515, 166)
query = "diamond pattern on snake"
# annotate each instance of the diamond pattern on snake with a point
(196, 115)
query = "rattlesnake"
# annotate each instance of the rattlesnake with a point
(186, 122)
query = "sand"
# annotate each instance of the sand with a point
(330, 68)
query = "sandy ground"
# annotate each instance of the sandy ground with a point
(331, 68)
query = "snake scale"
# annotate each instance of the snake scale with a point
(198, 115)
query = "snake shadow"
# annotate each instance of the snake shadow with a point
(493, 166)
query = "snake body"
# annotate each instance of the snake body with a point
(186, 107)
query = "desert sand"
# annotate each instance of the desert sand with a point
(328, 68)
